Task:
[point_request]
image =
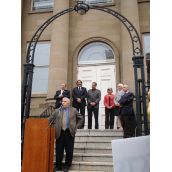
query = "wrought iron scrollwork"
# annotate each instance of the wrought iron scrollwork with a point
(136, 43)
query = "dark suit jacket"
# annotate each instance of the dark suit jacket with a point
(126, 103)
(74, 115)
(66, 93)
(79, 94)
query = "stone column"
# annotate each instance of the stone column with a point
(59, 48)
(129, 9)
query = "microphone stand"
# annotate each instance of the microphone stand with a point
(54, 118)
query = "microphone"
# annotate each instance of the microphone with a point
(50, 124)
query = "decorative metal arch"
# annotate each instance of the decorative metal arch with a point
(136, 43)
(137, 58)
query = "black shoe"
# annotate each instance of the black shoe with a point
(57, 169)
(66, 169)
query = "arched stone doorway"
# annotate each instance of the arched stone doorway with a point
(96, 62)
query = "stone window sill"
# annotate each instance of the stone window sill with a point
(41, 11)
(38, 95)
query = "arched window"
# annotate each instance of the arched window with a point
(96, 52)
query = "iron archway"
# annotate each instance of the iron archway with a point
(137, 64)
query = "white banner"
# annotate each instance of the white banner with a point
(131, 154)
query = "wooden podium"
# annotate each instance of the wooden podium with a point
(38, 150)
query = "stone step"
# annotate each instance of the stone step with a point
(90, 157)
(91, 150)
(92, 143)
(95, 166)
(107, 150)
(84, 171)
(107, 132)
(80, 171)
(98, 135)
(83, 157)
(80, 144)
(97, 138)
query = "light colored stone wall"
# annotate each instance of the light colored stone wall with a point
(58, 67)
(144, 17)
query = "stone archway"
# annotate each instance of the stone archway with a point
(73, 67)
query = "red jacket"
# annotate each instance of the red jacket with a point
(106, 100)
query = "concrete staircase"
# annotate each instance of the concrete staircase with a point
(93, 151)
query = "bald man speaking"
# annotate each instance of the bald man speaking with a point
(64, 120)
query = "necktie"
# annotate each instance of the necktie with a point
(109, 100)
(64, 120)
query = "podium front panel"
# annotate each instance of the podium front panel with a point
(38, 141)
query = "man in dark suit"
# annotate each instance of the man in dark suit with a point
(64, 120)
(60, 94)
(79, 95)
(126, 116)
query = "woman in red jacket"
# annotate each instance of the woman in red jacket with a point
(109, 109)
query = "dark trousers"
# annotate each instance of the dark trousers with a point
(92, 110)
(65, 141)
(109, 118)
(128, 125)
(81, 110)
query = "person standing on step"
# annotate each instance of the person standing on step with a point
(79, 95)
(109, 109)
(118, 96)
(63, 92)
(127, 116)
(64, 120)
(93, 99)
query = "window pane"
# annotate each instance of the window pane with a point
(96, 52)
(42, 4)
(98, 1)
(42, 54)
(41, 62)
(40, 80)
(146, 43)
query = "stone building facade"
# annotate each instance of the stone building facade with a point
(70, 47)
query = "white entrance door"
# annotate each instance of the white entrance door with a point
(105, 76)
